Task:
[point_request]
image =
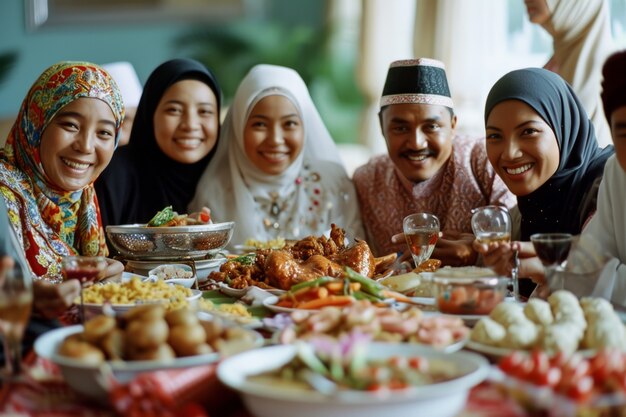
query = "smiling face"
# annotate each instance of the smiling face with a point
(78, 143)
(538, 11)
(274, 134)
(185, 121)
(521, 146)
(618, 131)
(419, 138)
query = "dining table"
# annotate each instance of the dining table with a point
(194, 392)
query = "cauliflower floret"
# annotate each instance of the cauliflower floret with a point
(559, 337)
(539, 312)
(507, 313)
(488, 332)
(520, 335)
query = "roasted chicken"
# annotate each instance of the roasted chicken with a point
(305, 260)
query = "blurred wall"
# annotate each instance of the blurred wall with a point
(145, 45)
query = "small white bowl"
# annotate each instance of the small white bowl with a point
(156, 274)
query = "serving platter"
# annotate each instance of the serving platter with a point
(137, 241)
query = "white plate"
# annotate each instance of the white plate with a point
(90, 380)
(240, 292)
(500, 352)
(92, 309)
(443, 399)
(127, 276)
(243, 249)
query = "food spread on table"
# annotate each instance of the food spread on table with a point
(337, 293)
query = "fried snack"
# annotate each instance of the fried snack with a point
(162, 352)
(97, 328)
(143, 335)
(431, 265)
(76, 347)
(185, 340)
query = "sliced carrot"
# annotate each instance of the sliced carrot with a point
(331, 300)
(312, 294)
(335, 287)
(285, 303)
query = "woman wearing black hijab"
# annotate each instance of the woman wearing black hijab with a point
(172, 140)
(542, 144)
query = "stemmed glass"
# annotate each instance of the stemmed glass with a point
(421, 231)
(552, 249)
(493, 224)
(16, 299)
(87, 270)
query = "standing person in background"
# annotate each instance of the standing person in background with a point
(172, 142)
(428, 168)
(581, 34)
(608, 225)
(277, 171)
(63, 138)
(126, 78)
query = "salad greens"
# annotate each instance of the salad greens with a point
(162, 217)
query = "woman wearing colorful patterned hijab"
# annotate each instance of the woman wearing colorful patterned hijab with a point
(63, 138)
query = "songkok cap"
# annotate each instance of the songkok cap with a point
(614, 83)
(416, 81)
(126, 78)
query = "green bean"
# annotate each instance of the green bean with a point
(360, 295)
(368, 285)
(314, 283)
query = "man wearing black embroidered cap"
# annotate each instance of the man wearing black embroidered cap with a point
(428, 167)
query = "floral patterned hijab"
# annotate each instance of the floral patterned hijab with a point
(51, 222)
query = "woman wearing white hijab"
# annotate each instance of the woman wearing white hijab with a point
(581, 34)
(297, 200)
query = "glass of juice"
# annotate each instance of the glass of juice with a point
(87, 270)
(421, 231)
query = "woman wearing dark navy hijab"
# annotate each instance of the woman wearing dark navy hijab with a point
(172, 141)
(541, 142)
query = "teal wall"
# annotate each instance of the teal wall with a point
(144, 45)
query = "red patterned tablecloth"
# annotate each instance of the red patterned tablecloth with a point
(42, 393)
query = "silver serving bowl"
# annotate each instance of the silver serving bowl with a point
(136, 241)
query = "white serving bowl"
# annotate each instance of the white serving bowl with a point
(444, 399)
(93, 381)
(92, 310)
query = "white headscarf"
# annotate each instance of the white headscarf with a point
(313, 192)
(581, 34)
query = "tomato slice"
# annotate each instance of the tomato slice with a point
(512, 362)
(581, 390)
